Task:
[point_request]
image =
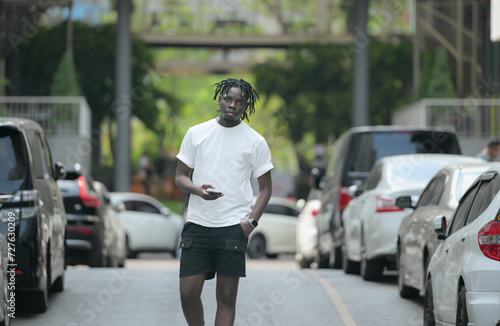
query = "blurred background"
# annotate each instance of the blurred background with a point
(319, 66)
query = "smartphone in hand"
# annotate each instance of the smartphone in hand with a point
(216, 193)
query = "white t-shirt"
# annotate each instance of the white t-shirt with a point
(225, 158)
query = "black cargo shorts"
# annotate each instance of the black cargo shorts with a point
(212, 250)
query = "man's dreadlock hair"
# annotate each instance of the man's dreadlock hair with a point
(247, 89)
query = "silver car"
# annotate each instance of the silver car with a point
(416, 240)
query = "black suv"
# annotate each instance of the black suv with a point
(30, 196)
(89, 235)
(350, 161)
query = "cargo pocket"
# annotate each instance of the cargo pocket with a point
(235, 245)
(186, 243)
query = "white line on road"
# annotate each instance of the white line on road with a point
(335, 298)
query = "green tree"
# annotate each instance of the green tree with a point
(436, 80)
(94, 58)
(65, 79)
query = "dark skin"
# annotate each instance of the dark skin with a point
(232, 105)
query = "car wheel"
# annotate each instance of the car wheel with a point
(429, 305)
(404, 291)
(97, 259)
(305, 263)
(462, 317)
(58, 285)
(256, 247)
(370, 269)
(349, 266)
(336, 257)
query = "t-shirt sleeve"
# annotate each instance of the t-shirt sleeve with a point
(187, 151)
(262, 159)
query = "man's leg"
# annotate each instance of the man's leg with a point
(226, 292)
(190, 290)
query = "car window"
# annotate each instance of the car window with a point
(404, 171)
(281, 209)
(12, 157)
(487, 191)
(432, 193)
(140, 206)
(370, 147)
(464, 181)
(462, 209)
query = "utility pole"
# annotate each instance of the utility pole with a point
(361, 78)
(122, 105)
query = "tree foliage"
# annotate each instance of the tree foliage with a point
(94, 59)
(65, 81)
(315, 84)
(436, 80)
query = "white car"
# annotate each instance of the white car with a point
(463, 278)
(275, 233)
(150, 225)
(307, 231)
(416, 239)
(371, 221)
(118, 247)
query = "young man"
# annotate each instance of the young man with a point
(223, 154)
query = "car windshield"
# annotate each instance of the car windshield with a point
(13, 158)
(416, 172)
(372, 146)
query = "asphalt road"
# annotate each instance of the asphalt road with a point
(275, 292)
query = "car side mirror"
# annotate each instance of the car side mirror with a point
(404, 202)
(439, 226)
(165, 211)
(354, 191)
(119, 207)
(59, 171)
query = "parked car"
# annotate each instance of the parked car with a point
(350, 161)
(307, 232)
(150, 226)
(464, 272)
(276, 232)
(371, 221)
(118, 251)
(30, 196)
(416, 240)
(89, 233)
(7, 294)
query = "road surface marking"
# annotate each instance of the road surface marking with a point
(335, 298)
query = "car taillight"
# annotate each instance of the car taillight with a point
(314, 212)
(385, 203)
(87, 199)
(489, 240)
(79, 230)
(344, 198)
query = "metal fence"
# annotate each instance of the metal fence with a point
(58, 115)
(470, 118)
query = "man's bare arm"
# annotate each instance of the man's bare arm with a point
(184, 182)
(265, 191)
